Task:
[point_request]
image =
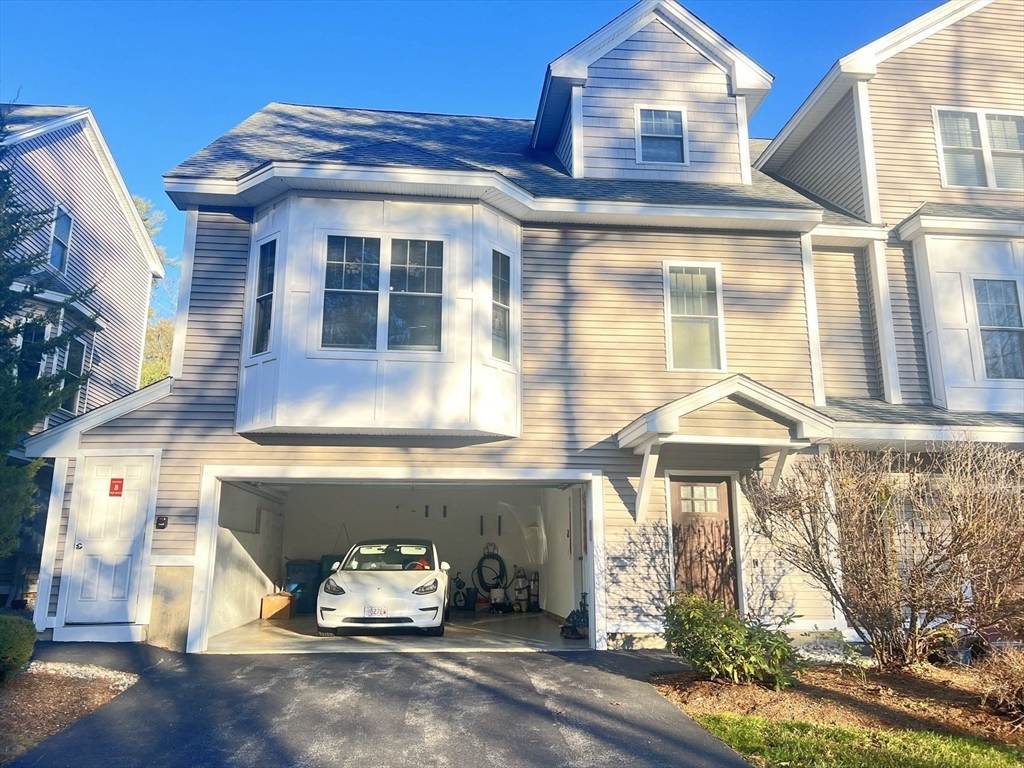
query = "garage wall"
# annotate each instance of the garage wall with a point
(322, 520)
(249, 561)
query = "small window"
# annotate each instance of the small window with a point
(264, 297)
(61, 243)
(695, 323)
(74, 367)
(414, 315)
(981, 149)
(661, 136)
(1002, 333)
(351, 291)
(501, 267)
(30, 352)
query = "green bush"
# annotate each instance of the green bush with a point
(722, 644)
(17, 641)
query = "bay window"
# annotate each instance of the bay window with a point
(501, 281)
(264, 297)
(1002, 332)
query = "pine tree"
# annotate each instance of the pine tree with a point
(30, 331)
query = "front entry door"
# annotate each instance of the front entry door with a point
(702, 538)
(106, 552)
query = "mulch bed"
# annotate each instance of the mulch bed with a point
(941, 699)
(46, 698)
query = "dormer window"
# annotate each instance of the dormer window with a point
(980, 148)
(661, 135)
(61, 241)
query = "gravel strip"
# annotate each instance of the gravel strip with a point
(119, 681)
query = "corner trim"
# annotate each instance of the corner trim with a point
(813, 328)
(188, 255)
(884, 328)
(48, 559)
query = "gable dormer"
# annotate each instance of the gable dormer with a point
(655, 94)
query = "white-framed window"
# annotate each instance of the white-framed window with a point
(980, 148)
(661, 135)
(60, 242)
(263, 313)
(357, 269)
(694, 317)
(31, 360)
(501, 305)
(74, 366)
(1001, 327)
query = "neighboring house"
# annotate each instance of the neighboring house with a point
(60, 162)
(571, 336)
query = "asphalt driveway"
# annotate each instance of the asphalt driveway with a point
(381, 710)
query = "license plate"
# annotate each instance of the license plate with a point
(372, 612)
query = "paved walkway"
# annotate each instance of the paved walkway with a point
(504, 710)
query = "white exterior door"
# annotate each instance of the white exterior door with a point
(107, 548)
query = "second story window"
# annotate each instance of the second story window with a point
(661, 136)
(264, 297)
(61, 243)
(357, 268)
(981, 149)
(1002, 332)
(30, 352)
(501, 298)
(75, 367)
(696, 336)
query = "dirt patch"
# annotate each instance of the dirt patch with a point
(945, 700)
(46, 698)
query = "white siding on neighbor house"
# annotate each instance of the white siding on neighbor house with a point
(656, 67)
(849, 351)
(61, 167)
(908, 327)
(827, 162)
(977, 62)
(563, 150)
(593, 360)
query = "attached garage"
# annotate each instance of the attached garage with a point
(277, 531)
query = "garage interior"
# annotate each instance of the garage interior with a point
(273, 534)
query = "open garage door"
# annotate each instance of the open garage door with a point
(274, 535)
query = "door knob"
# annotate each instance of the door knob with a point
(78, 545)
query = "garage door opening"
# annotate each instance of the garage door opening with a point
(272, 535)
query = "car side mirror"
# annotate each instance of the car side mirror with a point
(445, 567)
(336, 566)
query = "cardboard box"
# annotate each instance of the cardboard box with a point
(278, 606)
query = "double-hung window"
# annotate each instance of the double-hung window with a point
(61, 242)
(1002, 332)
(264, 297)
(74, 368)
(661, 135)
(357, 270)
(981, 148)
(501, 282)
(30, 353)
(694, 317)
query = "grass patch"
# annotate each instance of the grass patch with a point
(804, 745)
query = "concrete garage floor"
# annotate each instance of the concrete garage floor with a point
(496, 633)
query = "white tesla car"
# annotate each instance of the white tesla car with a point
(385, 583)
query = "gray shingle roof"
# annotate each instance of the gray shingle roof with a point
(863, 410)
(953, 211)
(295, 133)
(21, 117)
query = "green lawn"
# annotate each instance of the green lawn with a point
(801, 745)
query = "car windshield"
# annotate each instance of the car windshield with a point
(390, 557)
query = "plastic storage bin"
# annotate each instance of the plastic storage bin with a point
(306, 574)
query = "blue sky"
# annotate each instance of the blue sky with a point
(166, 78)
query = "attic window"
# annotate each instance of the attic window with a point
(61, 241)
(661, 135)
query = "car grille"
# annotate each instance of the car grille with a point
(378, 620)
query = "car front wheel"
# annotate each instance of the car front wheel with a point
(437, 631)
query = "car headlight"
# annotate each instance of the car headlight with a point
(429, 588)
(331, 587)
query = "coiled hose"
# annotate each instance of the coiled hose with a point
(499, 572)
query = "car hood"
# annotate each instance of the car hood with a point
(385, 582)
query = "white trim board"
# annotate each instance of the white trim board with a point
(209, 510)
(48, 558)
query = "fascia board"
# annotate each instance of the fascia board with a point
(832, 234)
(927, 432)
(62, 441)
(917, 226)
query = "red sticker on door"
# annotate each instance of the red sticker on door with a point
(116, 486)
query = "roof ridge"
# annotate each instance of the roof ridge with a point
(398, 111)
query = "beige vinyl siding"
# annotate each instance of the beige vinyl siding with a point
(977, 62)
(62, 167)
(827, 162)
(563, 150)
(733, 416)
(593, 360)
(908, 327)
(655, 66)
(849, 352)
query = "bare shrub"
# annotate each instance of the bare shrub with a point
(1004, 689)
(908, 546)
